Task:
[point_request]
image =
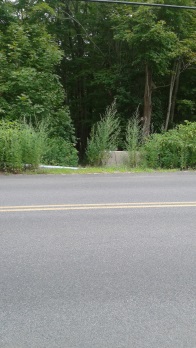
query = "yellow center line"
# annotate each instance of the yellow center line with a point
(61, 207)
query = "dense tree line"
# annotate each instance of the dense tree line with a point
(66, 61)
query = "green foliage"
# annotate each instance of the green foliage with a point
(60, 125)
(54, 54)
(20, 145)
(153, 42)
(33, 144)
(104, 137)
(133, 139)
(60, 152)
(29, 87)
(173, 149)
(30, 45)
(6, 14)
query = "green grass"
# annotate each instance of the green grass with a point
(92, 170)
(97, 170)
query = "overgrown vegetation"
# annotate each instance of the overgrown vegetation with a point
(20, 146)
(60, 152)
(173, 149)
(104, 137)
(133, 139)
(63, 68)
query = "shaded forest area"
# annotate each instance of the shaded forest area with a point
(64, 62)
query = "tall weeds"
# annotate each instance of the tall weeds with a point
(20, 145)
(104, 137)
(133, 139)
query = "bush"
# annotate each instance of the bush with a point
(60, 152)
(20, 144)
(103, 137)
(32, 144)
(60, 125)
(173, 149)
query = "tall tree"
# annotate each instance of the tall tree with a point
(153, 44)
(183, 23)
(29, 86)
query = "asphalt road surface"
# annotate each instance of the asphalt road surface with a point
(98, 261)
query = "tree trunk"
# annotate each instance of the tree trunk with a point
(174, 83)
(175, 90)
(147, 102)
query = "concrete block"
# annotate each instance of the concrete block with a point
(116, 159)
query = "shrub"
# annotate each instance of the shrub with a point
(173, 149)
(60, 152)
(32, 144)
(60, 125)
(103, 137)
(20, 144)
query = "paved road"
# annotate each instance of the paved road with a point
(98, 261)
